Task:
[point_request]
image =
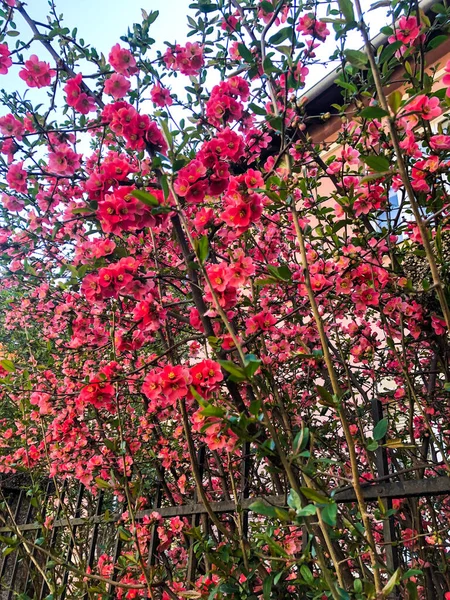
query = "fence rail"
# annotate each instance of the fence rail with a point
(18, 573)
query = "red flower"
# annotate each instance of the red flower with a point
(160, 96)
(117, 86)
(36, 73)
(17, 177)
(309, 25)
(5, 60)
(205, 376)
(122, 61)
(174, 382)
(98, 393)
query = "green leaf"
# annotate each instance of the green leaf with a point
(307, 511)
(315, 496)
(124, 534)
(235, 371)
(212, 411)
(252, 364)
(283, 272)
(258, 110)
(395, 101)
(373, 112)
(268, 66)
(229, 588)
(207, 7)
(306, 574)
(393, 581)
(380, 164)
(267, 7)
(325, 396)
(267, 587)
(411, 573)
(261, 508)
(356, 58)
(255, 407)
(145, 197)
(380, 429)
(203, 248)
(346, 8)
(8, 365)
(389, 51)
(280, 36)
(329, 514)
(245, 53)
(301, 440)
(437, 41)
(102, 484)
(372, 445)
(294, 500)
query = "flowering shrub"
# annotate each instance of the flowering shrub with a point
(214, 289)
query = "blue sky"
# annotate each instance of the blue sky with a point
(102, 22)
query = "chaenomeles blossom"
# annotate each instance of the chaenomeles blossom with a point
(160, 96)
(5, 60)
(440, 142)
(12, 203)
(186, 59)
(17, 177)
(37, 73)
(122, 61)
(76, 98)
(407, 31)
(429, 108)
(63, 160)
(309, 25)
(117, 86)
(446, 78)
(10, 126)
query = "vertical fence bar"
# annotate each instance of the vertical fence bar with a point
(54, 534)
(195, 519)
(16, 553)
(245, 483)
(72, 540)
(392, 561)
(48, 490)
(16, 514)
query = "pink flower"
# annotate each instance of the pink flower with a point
(428, 108)
(407, 30)
(160, 96)
(446, 78)
(188, 59)
(365, 296)
(219, 276)
(205, 376)
(17, 177)
(117, 86)
(122, 61)
(5, 60)
(36, 73)
(309, 25)
(10, 126)
(440, 142)
(63, 160)
(174, 382)
(12, 203)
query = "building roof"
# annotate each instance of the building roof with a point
(326, 92)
